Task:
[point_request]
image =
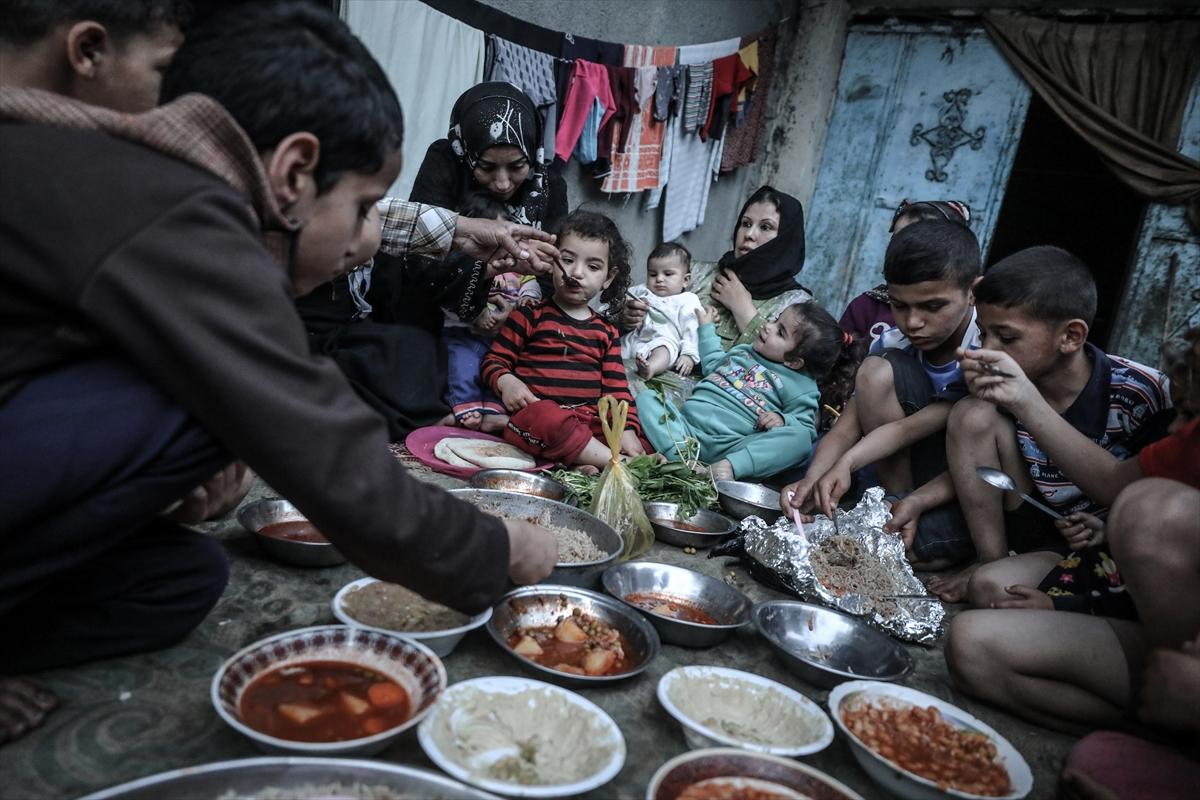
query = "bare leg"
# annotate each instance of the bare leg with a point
(23, 707)
(1063, 671)
(447, 420)
(988, 583)
(594, 453)
(875, 389)
(493, 423)
(655, 364)
(1155, 539)
(977, 436)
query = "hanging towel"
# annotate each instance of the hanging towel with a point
(729, 76)
(589, 82)
(698, 99)
(530, 71)
(742, 145)
(587, 148)
(403, 37)
(637, 168)
(692, 163)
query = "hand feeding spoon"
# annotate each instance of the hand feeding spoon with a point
(1001, 480)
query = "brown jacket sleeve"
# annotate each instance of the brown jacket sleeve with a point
(195, 300)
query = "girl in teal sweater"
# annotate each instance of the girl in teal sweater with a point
(756, 411)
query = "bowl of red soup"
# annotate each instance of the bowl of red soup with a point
(329, 690)
(686, 607)
(284, 534)
(571, 636)
(673, 525)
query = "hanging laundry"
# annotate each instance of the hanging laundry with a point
(530, 71)
(486, 18)
(588, 83)
(621, 83)
(697, 101)
(690, 164)
(637, 168)
(749, 55)
(587, 149)
(580, 47)
(729, 76)
(742, 145)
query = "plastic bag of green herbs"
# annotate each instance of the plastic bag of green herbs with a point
(616, 499)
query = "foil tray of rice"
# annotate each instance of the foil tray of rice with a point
(854, 568)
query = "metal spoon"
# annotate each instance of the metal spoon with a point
(1001, 480)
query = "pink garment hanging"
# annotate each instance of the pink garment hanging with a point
(589, 82)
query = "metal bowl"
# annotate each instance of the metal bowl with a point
(261, 513)
(826, 647)
(714, 597)
(734, 769)
(442, 643)
(538, 606)
(411, 664)
(515, 480)
(742, 500)
(661, 515)
(248, 776)
(527, 507)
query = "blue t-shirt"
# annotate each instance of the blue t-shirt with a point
(943, 376)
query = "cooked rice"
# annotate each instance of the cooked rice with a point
(325, 791)
(387, 605)
(574, 547)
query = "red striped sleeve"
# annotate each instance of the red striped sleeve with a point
(505, 350)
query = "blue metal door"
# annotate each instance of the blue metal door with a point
(921, 113)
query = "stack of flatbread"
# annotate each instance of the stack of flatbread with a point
(482, 454)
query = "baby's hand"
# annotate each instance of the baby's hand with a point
(684, 365)
(767, 420)
(1081, 530)
(707, 315)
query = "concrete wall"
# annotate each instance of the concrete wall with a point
(675, 22)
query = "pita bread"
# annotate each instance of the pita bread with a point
(484, 453)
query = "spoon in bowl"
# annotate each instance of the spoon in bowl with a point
(1002, 480)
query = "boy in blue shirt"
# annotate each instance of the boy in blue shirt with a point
(892, 421)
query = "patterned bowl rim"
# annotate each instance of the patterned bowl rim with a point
(318, 748)
(1014, 763)
(823, 739)
(477, 621)
(509, 684)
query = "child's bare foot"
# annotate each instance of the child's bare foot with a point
(23, 707)
(722, 470)
(587, 469)
(643, 367)
(493, 423)
(470, 419)
(953, 588)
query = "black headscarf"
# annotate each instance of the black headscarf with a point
(498, 113)
(769, 270)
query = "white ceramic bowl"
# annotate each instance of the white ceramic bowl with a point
(603, 730)
(761, 691)
(442, 643)
(411, 664)
(901, 782)
(741, 769)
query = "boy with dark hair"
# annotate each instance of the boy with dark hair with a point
(1035, 308)
(150, 338)
(892, 421)
(109, 53)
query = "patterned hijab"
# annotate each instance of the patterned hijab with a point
(498, 113)
(770, 269)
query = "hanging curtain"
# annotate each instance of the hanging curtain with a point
(1120, 86)
(430, 58)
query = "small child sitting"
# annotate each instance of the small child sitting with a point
(667, 337)
(473, 404)
(755, 413)
(551, 362)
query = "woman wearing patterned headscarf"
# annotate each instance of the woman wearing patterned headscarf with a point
(494, 145)
(870, 314)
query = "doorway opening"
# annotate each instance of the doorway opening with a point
(1060, 193)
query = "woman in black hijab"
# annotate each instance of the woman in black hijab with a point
(493, 145)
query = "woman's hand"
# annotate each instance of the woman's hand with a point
(728, 290)
(684, 365)
(514, 393)
(631, 445)
(633, 314)
(1081, 530)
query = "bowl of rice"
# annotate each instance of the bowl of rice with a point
(586, 544)
(522, 738)
(382, 606)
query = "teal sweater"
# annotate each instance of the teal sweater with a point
(722, 415)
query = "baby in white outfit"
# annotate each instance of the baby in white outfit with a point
(667, 337)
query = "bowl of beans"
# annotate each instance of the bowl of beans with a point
(283, 533)
(328, 690)
(371, 603)
(917, 746)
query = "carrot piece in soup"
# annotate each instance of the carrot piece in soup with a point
(385, 695)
